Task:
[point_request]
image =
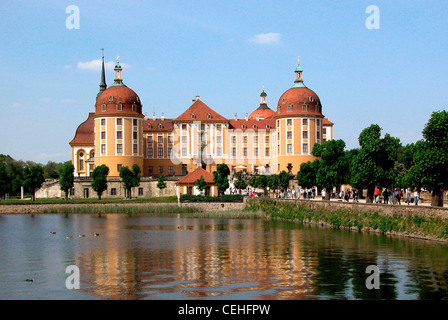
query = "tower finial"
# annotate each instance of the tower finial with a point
(118, 58)
(298, 60)
(298, 82)
(103, 85)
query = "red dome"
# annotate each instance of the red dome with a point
(118, 100)
(262, 112)
(299, 101)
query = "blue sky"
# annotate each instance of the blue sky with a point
(395, 76)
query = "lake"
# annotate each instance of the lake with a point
(146, 256)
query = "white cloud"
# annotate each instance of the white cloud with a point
(16, 105)
(266, 38)
(95, 65)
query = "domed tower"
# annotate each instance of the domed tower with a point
(118, 126)
(263, 111)
(299, 124)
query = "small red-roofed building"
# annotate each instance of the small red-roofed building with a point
(188, 185)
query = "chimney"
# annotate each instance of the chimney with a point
(197, 97)
(163, 116)
(146, 116)
(258, 117)
(236, 117)
(246, 117)
(154, 116)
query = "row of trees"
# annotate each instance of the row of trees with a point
(16, 173)
(383, 162)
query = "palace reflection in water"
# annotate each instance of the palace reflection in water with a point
(153, 257)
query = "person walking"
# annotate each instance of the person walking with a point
(377, 194)
(408, 196)
(416, 196)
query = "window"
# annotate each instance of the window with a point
(119, 167)
(103, 122)
(184, 139)
(150, 152)
(140, 191)
(160, 169)
(318, 135)
(219, 151)
(244, 152)
(119, 148)
(267, 139)
(289, 135)
(255, 152)
(289, 108)
(202, 127)
(317, 122)
(255, 139)
(111, 98)
(90, 167)
(103, 134)
(160, 152)
(134, 107)
(81, 162)
(170, 151)
(150, 170)
(103, 148)
(72, 191)
(233, 152)
(267, 152)
(170, 169)
(289, 122)
(134, 148)
(119, 121)
(149, 139)
(103, 107)
(305, 134)
(119, 107)
(184, 152)
(184, 127)
(305, 122)
(324, 131)
(244, 139)
(305, 148)
(289, 147)
(113, 191)
(218, 139)
(233, 139)
(170, 139)
(304, 107)
(119, 135)
(134, 135)
(218, 127)
(159, 139)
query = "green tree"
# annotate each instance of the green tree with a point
(99, 179)
(5, 181)
(333, 167)
(161, 183)
(220, 177)
(374, 164)
(130, 179)
(66, 181)
(253, 182)
(273, 182)
(201, 184)
(33, 179)
(283, 181)
(306, 177)
(240, 183)
(431, 157)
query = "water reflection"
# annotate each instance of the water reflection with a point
(153, 257)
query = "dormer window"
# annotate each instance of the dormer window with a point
(209, 116)
(284, 100)
(243, 126)
(119, 106)
(268, 126)
(160, 126)
(103, 107)
(193, 116)
(111, 98)
(305, 107)
(289, 108)
(134, 107)
(311, 99)
(254, 126)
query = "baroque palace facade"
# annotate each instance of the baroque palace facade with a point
(265, 141)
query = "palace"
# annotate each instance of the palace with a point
(265, 141)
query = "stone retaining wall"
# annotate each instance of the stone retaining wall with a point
(39, 208)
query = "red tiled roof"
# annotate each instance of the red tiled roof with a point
(327, 122)
(243, 124)
(296, 97)
(158, 125)
(199, 111)
(195, 175)
(85, 132)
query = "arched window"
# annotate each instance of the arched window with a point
(81, 161)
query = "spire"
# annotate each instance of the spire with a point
(298, 82)
(118, 81)
(263, 102)
(103, 84)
